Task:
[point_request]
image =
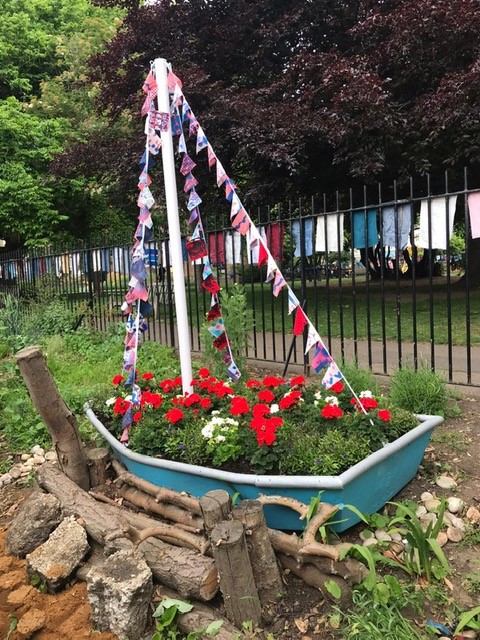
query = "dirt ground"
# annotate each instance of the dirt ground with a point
(303, 613)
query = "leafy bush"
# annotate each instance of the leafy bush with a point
(421, 391)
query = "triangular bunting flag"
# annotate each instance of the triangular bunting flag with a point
(293, 301)
(182, 145)
(212, 158)
(278, 283)
(202, 141)
(301, 321)
(332, 376)
(229, 189)
(188, 165)
(262, 254)
(221, 174)
(173, 81)
(271, 268)
(190, 182)
(321, 357)
(193, 201)
(211, 285)
(312, 338)
(217, 328)
(214, 312)
(233, 372)
(221, 342)
(241, 222)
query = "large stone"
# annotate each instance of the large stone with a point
(57, 558)
(35, 520)
(445, 482)
(120, 591)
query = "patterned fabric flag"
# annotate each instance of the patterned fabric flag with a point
(193, 201)
(217, 328)
(236, 206)
(188, 165)
(154, 143)
(182, 145)
(221, 174)
(221, 342)
(159, 120)
(136, 394)
(127, 417)
(293, 301)
(332, 376)
(173, 81)
(190, 182)
(202, 141)
(193, 126)
(229, 189)
(144, 180)
(211, 285)
(241, 222)
(300, 322)
(177, 96)
(233, 372)
(194, 215)
(278, 283)
(176, 125)
(271, 268)
(207, 270)
(321, 357)
(212, 158)
(146, 199)
(185, 110)
(214, 312)
(151, 89)
(198, 231)
(262, 254)
(227, 356)
(196, 249)
(312, 338)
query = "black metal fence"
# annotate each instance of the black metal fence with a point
(388, 276)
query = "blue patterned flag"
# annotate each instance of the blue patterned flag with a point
(293, 301)
(194, 200)
(190, 182)
(278, 283)
(217, 328)
(188, 165)
(321, 357)
(332, 376)
(202, 141)
(233, 372)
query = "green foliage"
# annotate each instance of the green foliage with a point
(421, 391)
(166, 622)
(360, 379)
(238, 322)
(469, 620)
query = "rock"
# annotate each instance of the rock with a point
(455, 505)
(442, 538)
(396, 547)
(469, 634)
(38, 459)
(50, 456)
(119, 592)
(396, 537)
(24, 457)
(370, 542)
(457, 523)
(421, 511)
(31, 621)
(5, 479)
(473, 515)
(365, 535)
(15, 473)
(432, 505)
(35, 520)
(429, 517)
(445, 482)
(37, 450)
(382, 535)
(455, 535)
(426, 495)
(57, 558)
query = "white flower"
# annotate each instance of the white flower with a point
(220, 438)
(331, 400)
(317, 395)
(215, 413)
(110, 401)
(274, 408)
(207, 431)
(316, 403)
(128, 398)
(365, 394)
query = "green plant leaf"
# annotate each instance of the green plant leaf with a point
(333, 589)
(214, 627)
(437, 550)
(466, 620)
(358, 513)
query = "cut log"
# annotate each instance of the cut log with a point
(167, 511)
(97, 460)
(161, 494)
(60, 421)
(235, 573)
(312, 576)
(216, 506)
(262, 557)
(186, 571)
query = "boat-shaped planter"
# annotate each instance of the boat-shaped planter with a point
(368, 485)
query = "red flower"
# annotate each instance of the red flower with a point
(266, 429)
(266, 396)
(260, 410)
(120, 407)
(253, 384)
(193, 398)
(220, 389)
(369, 403)
(385, 415)
(205, 403)
(137, 415)
(174, 415)
(148, 375)
(117, 380)
(337, 387)
(331, 411)
(166, 385)
(180, 401)
(155, 399)
(239, 406)
(194, 382)
(273, 381)
(290, 399)
(177, 381)
(203, 373)
(298, 381)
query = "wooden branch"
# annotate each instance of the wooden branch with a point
(324, 512)
(61, 422)
(325, 550)
(190, 573)
(167, 511)
(292, 545)
(161, 494)
(284, 501)
(165, 531)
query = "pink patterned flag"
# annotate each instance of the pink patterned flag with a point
(312, 338)
(332, 376)
(188, 165)
(151, 89)
(278, 283)
(474, 211)
(293, 301)
(173, 81)
(221, 174)
(159, 120)
(190, 182)
(202, 141)
(212, 158)
(241, 222)
(154, 143)
(321, 357)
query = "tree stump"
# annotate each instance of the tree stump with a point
(61, 423)
(262, 557)
(216, 507)
(235, 573)
(97, 460)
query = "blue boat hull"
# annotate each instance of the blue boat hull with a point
(368, 485)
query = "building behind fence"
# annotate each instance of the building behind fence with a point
(386, 279)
